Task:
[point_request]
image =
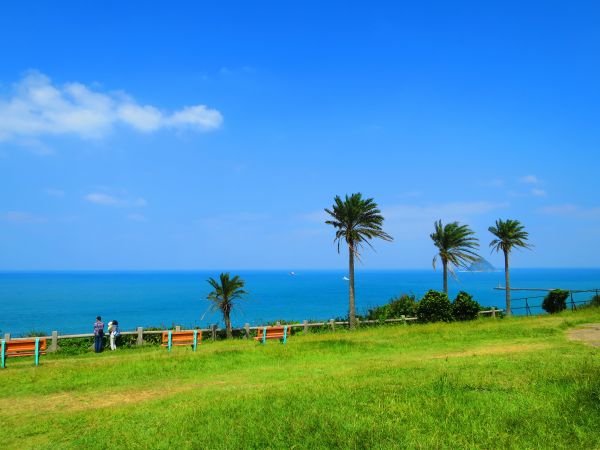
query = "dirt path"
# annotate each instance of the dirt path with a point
(588, 334)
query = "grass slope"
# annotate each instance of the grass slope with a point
(512, 383)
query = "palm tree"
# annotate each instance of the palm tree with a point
(224, 296)
(356, 221)
(456, 244)
(509, 234)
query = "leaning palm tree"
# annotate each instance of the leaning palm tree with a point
(356, 221)
(509, 234)
(226, 292)
(456, 244)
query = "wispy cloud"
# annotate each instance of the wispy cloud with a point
(23, 217)
(412, 212)
(37, 107)
(136, 217)
(529, 179)
(241, 219)
(496, 183)
(53, 192)
(104, 199)
(226, 71)
(447, 211)
(538, 192)
(569, 209)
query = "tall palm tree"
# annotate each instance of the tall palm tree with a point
(509, 234)
(456, 244)
(226, 292)
(356, 221)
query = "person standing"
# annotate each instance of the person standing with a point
(113, 330)
(98, 334)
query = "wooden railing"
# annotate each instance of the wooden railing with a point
(213, 330)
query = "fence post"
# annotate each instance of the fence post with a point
(573, 307)
(178, 328)
(403, 317)
(54, 343)
(7, 336)
(278, 323)
(247, 329)
(332, 323)
(305, 328)
(140, 336)
(493, 311)
(213, 330)
(357, 322)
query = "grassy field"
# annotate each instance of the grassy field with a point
(510, 383)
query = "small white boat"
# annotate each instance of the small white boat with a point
(292, 274)
(345, 278)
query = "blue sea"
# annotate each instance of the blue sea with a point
(69, 301)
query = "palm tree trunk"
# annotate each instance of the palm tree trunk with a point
(228, 326)
(445, 265)
(507, 283)
(351, 309)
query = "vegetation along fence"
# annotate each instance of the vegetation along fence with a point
(140, 336)
(526, 302)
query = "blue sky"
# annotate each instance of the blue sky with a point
(176, 135)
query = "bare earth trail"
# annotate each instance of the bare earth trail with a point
(588, 334)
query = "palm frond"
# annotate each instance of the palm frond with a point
(456, 244)
(509, 234)
(357, 222)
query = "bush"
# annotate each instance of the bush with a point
(555, 301)
(464, 307)
(595, 301)
(405, 305)
(434, 307)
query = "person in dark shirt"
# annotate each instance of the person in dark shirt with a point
(98, 334)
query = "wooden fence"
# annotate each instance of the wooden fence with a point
(213, 330)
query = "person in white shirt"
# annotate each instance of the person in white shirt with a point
(113, 330)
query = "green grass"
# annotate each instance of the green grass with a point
(511, 383)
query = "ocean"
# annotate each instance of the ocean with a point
(69, 301)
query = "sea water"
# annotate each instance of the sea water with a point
(69, 301)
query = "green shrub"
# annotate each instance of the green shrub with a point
(405, 305)
(35, 333)
(434, 307)
(555, 301)
(76, 346)
(464, 307)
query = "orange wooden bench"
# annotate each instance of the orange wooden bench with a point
(22, 347)
(171, 338)
(277, 332)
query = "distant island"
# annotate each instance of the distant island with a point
(481, 265)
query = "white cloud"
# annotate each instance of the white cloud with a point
(529, 179)
(23, 217)
(37, 107)
(143, 118)
(199, 117)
